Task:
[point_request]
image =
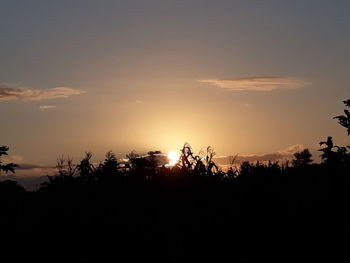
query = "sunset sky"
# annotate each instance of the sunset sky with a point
(247, 77)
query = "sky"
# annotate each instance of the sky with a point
(247, 77)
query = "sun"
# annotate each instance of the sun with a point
(173, 158)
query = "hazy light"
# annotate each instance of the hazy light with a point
(173, 158)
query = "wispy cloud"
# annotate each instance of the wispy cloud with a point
(47, 107)
(290, 150)
(11, 158)
(30, 176)
(276, 156)
(25, 94)
(282, 155)
(258, 83)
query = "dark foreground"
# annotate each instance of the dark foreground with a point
(266, 213)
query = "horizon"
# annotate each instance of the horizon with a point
(31, 176)
(246, 78)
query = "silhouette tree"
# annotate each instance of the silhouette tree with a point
(246, 168)
(65, 166)
(232, 170)
(328, 154)
(8, 187)
(344, 120)
(338, 158)
(85, 167)
(302, 158)
(10, 167)
(132, 157)
(109, 167)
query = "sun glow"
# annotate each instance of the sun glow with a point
(173, 158)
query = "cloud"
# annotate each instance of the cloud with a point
(258, 83)
(11, 158)
(25, 94)
(282, 155)
(47, 107)
(290, 150)
(30, 176)
(276, 156)
(27, 166)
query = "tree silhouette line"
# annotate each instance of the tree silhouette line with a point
(191, 211)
